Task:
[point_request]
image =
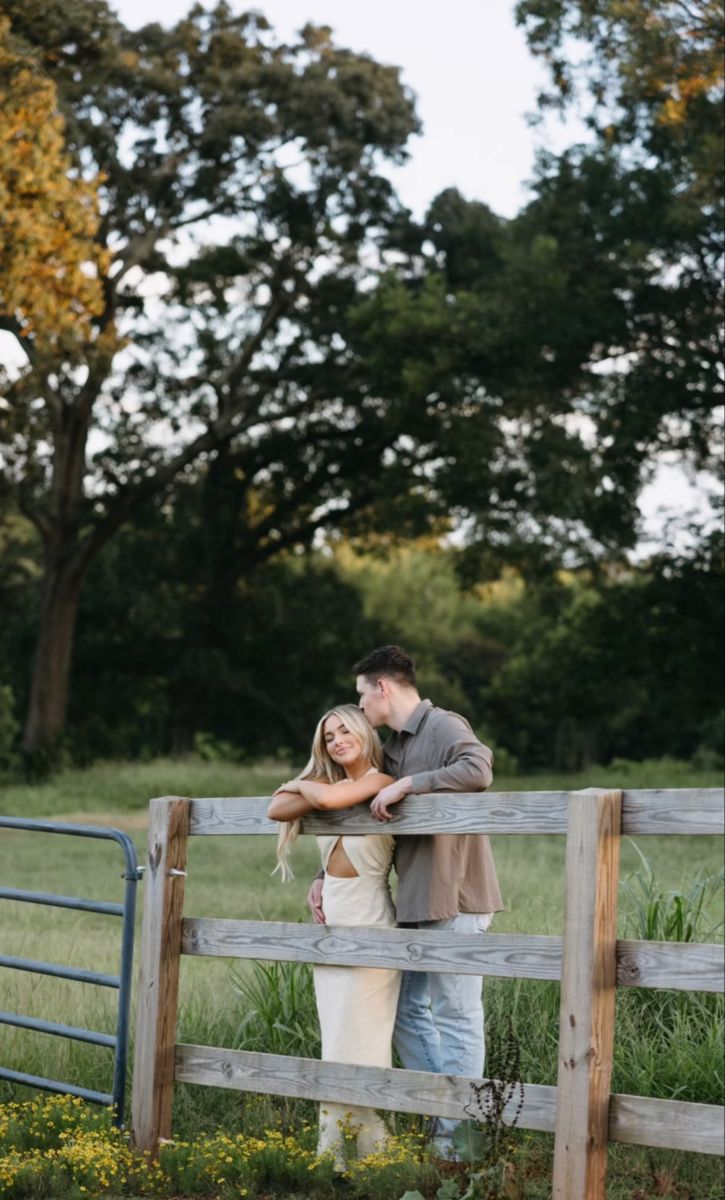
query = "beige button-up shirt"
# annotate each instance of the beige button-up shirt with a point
(442, 874)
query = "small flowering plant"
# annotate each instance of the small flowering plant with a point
(61, 1147)
(483, 1142)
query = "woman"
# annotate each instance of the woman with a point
(356, 1005)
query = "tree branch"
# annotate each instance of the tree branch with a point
(225, 427)
(302, 532)
(35, 516)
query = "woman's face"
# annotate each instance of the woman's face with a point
(343, 746)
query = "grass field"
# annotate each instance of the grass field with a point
(232, 877)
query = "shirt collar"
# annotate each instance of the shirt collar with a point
(413, 723)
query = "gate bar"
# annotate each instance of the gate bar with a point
(80, 975)
(97, 906)
(55, 1085)
(67, 1031)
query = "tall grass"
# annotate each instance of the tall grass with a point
(656, 915)
(667, 1043)
(108, 787)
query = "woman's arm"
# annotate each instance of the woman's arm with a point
(330, 796)
(310, 795)
(289, 802)
(288, 806)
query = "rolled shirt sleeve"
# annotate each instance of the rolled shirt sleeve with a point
(468, 764)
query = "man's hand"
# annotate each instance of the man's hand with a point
(314, 899)
(390, 795)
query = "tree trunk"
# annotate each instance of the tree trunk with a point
(53, 652)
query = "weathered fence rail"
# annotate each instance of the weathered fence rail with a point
(587, 959)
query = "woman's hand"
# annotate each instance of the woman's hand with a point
(292, 785)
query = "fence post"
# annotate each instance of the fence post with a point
(588, 988)
(158, 987)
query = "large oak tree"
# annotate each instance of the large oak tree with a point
(241, 180)
(310, 357)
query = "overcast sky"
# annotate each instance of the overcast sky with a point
(469, 66)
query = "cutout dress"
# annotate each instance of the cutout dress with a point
(356, 1005)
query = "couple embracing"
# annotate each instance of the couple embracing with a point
(445, 881)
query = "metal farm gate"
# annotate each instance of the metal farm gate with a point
(122, 982)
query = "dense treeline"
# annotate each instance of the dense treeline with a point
(240, 349)
(567, 669)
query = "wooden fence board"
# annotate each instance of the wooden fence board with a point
(647, 811)
(675, 966)
(588, 988)
(667, 1124)
(158, 984)
(636, 1120)
(475, 812)
(372, 1087)
(513, 956)
(673, 810)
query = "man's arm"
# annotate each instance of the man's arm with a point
(468, 767)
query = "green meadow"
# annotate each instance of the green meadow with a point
(667, 1044)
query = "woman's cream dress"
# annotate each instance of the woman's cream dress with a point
(356, 1005)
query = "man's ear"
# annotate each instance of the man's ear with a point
(383, 686)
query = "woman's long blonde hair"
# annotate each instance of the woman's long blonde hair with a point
(321, 768)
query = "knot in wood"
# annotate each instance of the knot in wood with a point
(628, 969)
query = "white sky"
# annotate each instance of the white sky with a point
(469, 66)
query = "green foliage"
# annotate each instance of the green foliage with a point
(8, 731)
(675, 1033)
(649, 76)
(658, 916)
(404, 1163)
(605, 668)
(277, 1009)
(212, 749)
(64, 1148)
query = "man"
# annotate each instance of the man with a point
(445, 881)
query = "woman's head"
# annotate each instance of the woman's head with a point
(342, 738)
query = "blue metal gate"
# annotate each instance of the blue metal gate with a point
(122, 981)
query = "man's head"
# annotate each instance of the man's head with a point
(386, 685)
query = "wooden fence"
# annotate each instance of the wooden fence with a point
(588, 960)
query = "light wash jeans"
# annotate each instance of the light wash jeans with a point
(439, 1025)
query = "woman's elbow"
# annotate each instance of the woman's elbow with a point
(276, 812)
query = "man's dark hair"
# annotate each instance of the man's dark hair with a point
(387, 662)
